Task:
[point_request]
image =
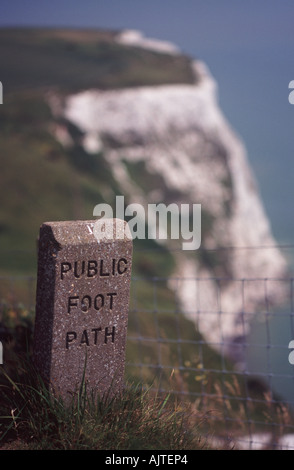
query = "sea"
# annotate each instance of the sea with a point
(253, 93)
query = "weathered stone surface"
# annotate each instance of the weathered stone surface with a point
(82, 304)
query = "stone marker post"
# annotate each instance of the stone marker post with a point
(82, 304)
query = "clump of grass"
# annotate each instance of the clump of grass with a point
(32, 417)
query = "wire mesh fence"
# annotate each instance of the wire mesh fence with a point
(234, 366)
(243, 378)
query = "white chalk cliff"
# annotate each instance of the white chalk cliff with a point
(180, 135)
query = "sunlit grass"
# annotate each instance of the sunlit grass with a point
(136, 418)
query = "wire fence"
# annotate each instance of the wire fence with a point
(234, 366)
(241, 377)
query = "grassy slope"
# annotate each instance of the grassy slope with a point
(39, 180)
(74, 60)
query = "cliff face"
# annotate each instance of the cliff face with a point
(171, 143)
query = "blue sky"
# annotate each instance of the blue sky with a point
(249, 48)
(211, 24)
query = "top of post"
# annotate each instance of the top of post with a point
(86, 231)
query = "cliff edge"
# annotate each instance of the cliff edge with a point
(172, 143)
